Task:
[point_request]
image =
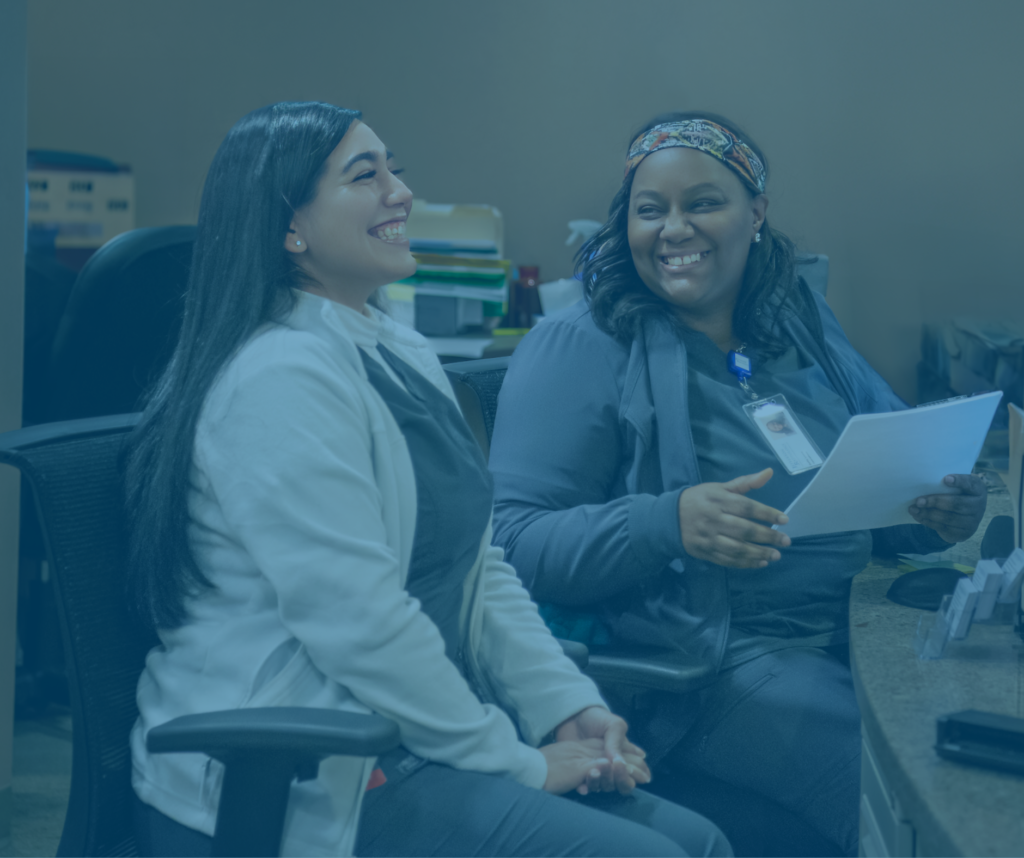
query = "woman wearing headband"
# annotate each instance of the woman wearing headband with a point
(311, 527)
(639, 466)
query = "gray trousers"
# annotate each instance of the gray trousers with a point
(439, 810)
(442, 811)
(786, 727)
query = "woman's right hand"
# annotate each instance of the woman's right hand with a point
(719, 524)
(572, 764)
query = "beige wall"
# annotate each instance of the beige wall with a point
(892, 127)
(12, 279)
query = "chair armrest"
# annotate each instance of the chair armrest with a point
(263, 751)
(645, 668)
(288, 729)
(576, 651)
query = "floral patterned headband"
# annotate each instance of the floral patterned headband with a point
(707, 136)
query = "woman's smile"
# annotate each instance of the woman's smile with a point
(391, 232)
(683, 262)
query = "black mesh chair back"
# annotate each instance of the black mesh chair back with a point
(476, 384)
(73, 471)
(120, 324)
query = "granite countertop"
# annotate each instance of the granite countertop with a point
(955, 809)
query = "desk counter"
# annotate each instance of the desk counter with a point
(913, 802)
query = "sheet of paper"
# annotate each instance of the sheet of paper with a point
(883, 462)
(1013, 482)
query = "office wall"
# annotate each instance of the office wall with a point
(890, 127)
(13, 28)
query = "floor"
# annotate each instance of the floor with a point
(41, 783)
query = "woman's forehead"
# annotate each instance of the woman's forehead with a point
(680, 168)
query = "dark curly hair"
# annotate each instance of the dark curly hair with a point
(620, 301)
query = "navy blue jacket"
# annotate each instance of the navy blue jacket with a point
(591, 450)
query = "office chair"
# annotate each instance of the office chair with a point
(120, 324)
(477, 384)
(73, 470)
(763, 827)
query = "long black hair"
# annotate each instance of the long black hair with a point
(268, 166)
(620, 301)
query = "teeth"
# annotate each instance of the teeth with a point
(683, 260)
(392, 232)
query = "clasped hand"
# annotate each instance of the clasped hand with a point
(592, 754)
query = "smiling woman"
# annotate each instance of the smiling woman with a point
(635, 492)
(310, 526)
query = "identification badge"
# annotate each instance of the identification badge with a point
(792, 446)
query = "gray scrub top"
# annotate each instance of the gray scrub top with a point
(802, 599)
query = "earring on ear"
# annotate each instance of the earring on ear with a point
(297, 243)
(757, 238)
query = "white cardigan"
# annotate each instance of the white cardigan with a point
(304, 508)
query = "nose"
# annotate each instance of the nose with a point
(398, 193)
(677, 227)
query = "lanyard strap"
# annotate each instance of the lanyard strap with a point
(740, 366)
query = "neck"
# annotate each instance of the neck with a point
(354, 298)
(717, 328)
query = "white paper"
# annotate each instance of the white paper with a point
(1013, 483)
(883, 462)
(1013, 576)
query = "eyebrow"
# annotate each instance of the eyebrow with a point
(703, 186)
(364, 156)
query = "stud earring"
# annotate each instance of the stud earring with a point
(297, 243)
(757, 238)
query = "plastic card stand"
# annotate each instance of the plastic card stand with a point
(932, 634)
(988, 581)
(952, 621)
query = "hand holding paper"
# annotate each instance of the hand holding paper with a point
(882, 463)
(955, 517)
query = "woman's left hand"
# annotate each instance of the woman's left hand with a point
(955, 516)
(627, 766)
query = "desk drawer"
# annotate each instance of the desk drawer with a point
(884, 831)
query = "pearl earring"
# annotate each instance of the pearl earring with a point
(297, 243)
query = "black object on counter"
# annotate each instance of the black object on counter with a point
(982, 739)
(924, 588)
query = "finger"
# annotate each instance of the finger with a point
(615, 738)
(945, 521)
(745, 530)
(741, 555)
(969, 484)
(742, 507)
(749, 482)
(959, 504)
(629, 748)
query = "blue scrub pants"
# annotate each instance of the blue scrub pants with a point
(786, 727)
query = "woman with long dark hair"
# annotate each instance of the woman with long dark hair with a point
(310, 526)
(639, 467)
